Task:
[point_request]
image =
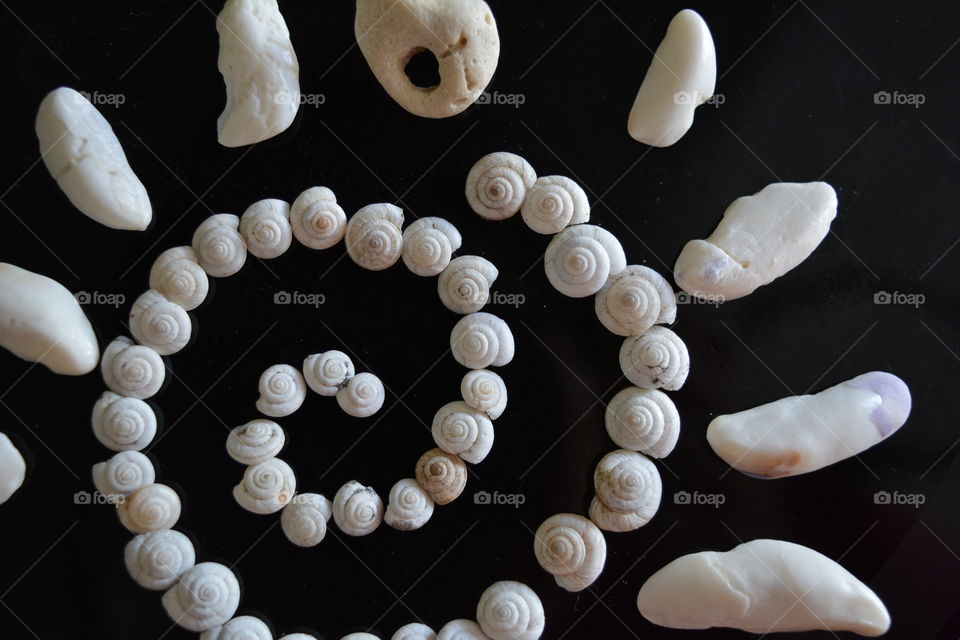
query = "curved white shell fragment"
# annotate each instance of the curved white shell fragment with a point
(123, 424)
(220, 248)
(572, 549)
(132, 369)
(360, 635)
(461, 629)
(84, 156)
(282, 391)
(510, 610)
(204, 597)
(13, 469)
(240, 628)
(760, 238)
(553, 203)
(644, 420)
(409, 506)
(497, 185)
(260, 71)
(304, 520)
(485, 391)
(374, 240)
(328, 372)
(155, 560)
(266, 487)
(462, 36)
(41, 321)
(681, 77)
(265, 227)
(414, 631)
(480, 340)
(123, 474)
(761, 586)
(362, 396)
(443, 475)
(800, 434)
(580, 258)
(317, 220)
(628, 489)
(460, 429)
(657, 359)
(255, 441)
(297, 636)
(634, 300)
(160, 324)
(178, 276)
(464, 286)
(152, 507)
(428, 244)
(357, 509)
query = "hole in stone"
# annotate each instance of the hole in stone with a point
(423, 69)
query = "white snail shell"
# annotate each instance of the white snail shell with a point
(428, 244)
(360, 635)
(318, 221)
(409, 506)
(464, 286)
(414, 631)
(357, 509)
(220, 248)
(304, 520)
(461, 629)
(644, 420)
(240, 628)
(255, 442)
(628, 491)
(510, 610)
(480, 340)
(204, 597)
(553, 203)
(443, 475)
(327, 372)
(572, 549)
(362, 396)
(634, 300)
(657, 359)
(123, 424)
(160, 324)
(498, 184)
(177, 274)
(460, 429)
(297, 636)
(155, 560)
(282, 391)
(265, 227)
(123, 474)
(485, 391)
(374, 239)
(131, 369)
(579, 260)
(266, 487)
(152, 507)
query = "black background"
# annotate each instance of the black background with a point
(798, 82)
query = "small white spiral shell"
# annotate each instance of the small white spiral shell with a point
(428, 244)
(255, 442)
(461, 629)
(132, 370)
(328, 372)
(480, 340)
(160, 324)
(460, 429)
(318, 221)
(443, 475)
(220, 248)
(628, 489)
(580, 258)
(464, 286)
(510, 610)
(572, 549)
(657, 359)
(304, 520)
(497, 185)
(266, 487)
(155, 560)
(485, 391)
(357, 509)
(123, 474)
(204, 597)
(265, 227)
(240, 628)
(362, 396)
(553, 203)
(414, 631)
(360, 635)
(177, 274)
(297, 636)
(644, 420)
(152, 507)
(409, 506)
(123, 424)
(282, 391)
(374, 239)
(634, 300)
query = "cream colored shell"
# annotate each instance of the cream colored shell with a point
(553, 203)
(328, 372)
(480, 340)
(510, 610)
(460, 429)
(634, 300)
(428, 244)
(204, 597)
(132, 370)
(152, 507)
(304, 520)
(362, 396)
(240, 628)
(414, 631)
(160, 324)
(13, 469)
(644, 420)
(580, 258)
(461, 629)
(282, 391)
(318, 222)
(266, 487)
(360, 635)
(485, 391)
(409, 506)
(374, 240)
(178, 276)
(357, 509)
(220, 248)
(155, 560)
(123, 424)
(572, 549)
(657, 359)
(628, 491)
(497, 185)
(464, 286)
(443, 475)
(265, 227)
(123, 474)
(255, 441)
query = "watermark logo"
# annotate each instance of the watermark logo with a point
(497, 498)
(896, 498)
(103, 99)
(297, 297)
(115, 300)
(503, 99)
(86, 497)
(899, 297)
(696, 498)
(694, 98)
(508, 299)
(297, 98)
(711, 299)
(896, 98)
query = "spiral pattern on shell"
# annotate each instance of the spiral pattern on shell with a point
(485, 391)
(464, 286)
(443, 475)
(497, 185)
(220, 248)
(572, 549)
(655, 359)
(461, 629)
(374, 239)
(177, 275)
(634, 300)
(480, 340)
(409, 506)
(553, 203)
(460, 429)
(282, 391)
(579, 260)
(155, 560)
(123, 424)
(255, 442)
(357, 509)
(414, 631)
(265, 227)
(132, 370)
(266, 487)
(644, 420)
(362, 396)
(152, 507)
(240, 628)
(317, 220)
(304, 520)
(204, 597)
(510, 610)
(327, 372)
(428, 244)
(123, 474)
(160, 324)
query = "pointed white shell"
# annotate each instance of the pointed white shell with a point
(628, 491)
(317, 220)
(240, 628)
(328, 372)
(461, 629)
(282, 391)
(357, 509)
(510, 610)
(160, 324)
(178, 276)
(634, 300)
(374, 240)
(460, 429)
(443, 475)
(123, 474)
(266, 487)
(485, 391)
(464, 286)
(123, 424)
(658, 359)
(414, 631)
(204, 597)
(498, 184)
(131, 369)
(265, 227)
(480, 340)
(155, 560)
(13, 469)
(362, 396)
(553, 203)
(255, 441)
(644, 420)
(572, 549)
(580, 258)
(220, 248)
(304, 520)
(150, 508)
(428, 244)
(409, 506)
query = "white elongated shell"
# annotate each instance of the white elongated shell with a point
(282, 391)
(480, 340)
(634, 300)
(304, 520)
(628, 491)
(123, 474)
(123, 424)
(362, 396)
(414, 631)
(458, 428)
(204, 597)
(132, 370)
(13, 469)
(178, 276)
(317, 220)
(657, 359)
(510, 610)
(328, 372)
(580, 258)
(357, 509)
(266, 487)
(155, 560)
(409, 506)
(374, 239)
(497, 185)
(240, 628)
(265, 227)
(150, 508)
(428, 244)
(461, 629)
(644, 420)
(553, 203)
(464, 286)
(443, 475)
(220, 248)
(572, 549)
(485, 391)
(255, 441)
(160, 324)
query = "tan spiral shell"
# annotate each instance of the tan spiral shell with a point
(464, 286)
(460, 429)
(255, 441)
(220, 248)
(510, 610)
(461, 629)
(628, 491)
(374, 239)
(265, 227)
(409, 506)
(152, 507)
(634, 300)
(304, 520)
(644, 420)
(580, 258)
(282, 391)
(266, 486)
(443, 475)
(123, 424)
(318, 221)
(160, 324)
(497, 185)
(553, 203)
(428, 244)
(328, 372)
(155, 560)
(572, 549)
(132, 370)
(362, 396)
(123, 474)
(414, 631)
(357, 509)
(177, 274)
(480, 340)
(204, 597)
(485, 391)
(657, 359)
(240, 628)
